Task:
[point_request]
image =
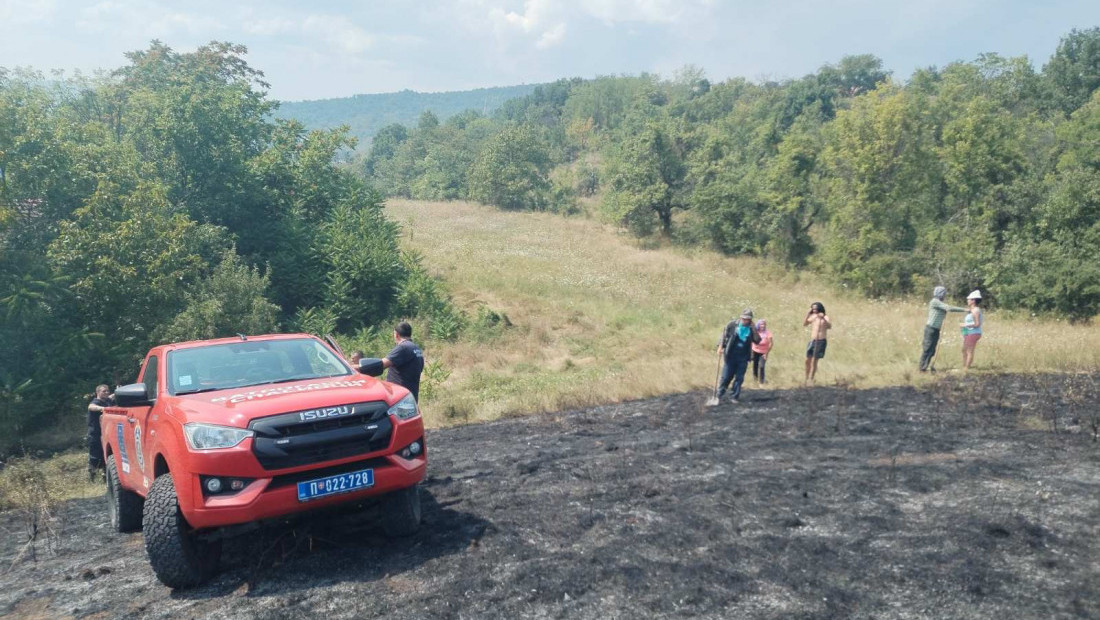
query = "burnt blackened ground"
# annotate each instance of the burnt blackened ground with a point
(978, 497)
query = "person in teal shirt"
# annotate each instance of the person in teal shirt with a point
(736, 347)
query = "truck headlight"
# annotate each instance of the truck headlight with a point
(210, 436)
(405, 408)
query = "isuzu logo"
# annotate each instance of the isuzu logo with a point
(327, 412)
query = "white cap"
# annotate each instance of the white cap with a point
(975, 294)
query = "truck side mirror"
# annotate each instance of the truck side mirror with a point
(133, 395)
(371, 366)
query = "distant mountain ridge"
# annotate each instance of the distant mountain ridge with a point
(366, 114)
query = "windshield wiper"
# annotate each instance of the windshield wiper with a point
(200, 391)
(289, 379)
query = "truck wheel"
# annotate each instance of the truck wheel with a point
(178, 557)
(123, 506)
(401, 512)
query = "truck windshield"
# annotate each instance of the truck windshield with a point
(241, 364)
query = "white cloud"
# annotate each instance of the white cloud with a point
(535, 15)
(26, 11)
(551, 37)
(648, 11)
(341, 31)
(270, 26)
(151, 19)
(542, 21)
(102, 8)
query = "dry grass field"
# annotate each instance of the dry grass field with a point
(598, 317)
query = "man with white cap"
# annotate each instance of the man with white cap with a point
(736, 346)
(937, 310)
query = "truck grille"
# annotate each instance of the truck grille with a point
(319, 435)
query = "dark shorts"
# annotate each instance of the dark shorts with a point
(816, 348)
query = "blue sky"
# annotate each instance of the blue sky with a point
(333, 49)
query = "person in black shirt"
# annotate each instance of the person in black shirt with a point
(102, 400)
(405, 361)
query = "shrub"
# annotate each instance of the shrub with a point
(34, 490)
(587, 181)
(446, 325)
(512, 171)
(231, 301)
(317, 321)
(435, 373)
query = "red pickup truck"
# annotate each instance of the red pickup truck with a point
(220, 435)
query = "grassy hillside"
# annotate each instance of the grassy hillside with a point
(366, 114)
(597, 318)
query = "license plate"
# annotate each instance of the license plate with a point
(333, 485)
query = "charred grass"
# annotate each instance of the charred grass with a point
(970, 497)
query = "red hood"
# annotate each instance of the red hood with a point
(238, 406)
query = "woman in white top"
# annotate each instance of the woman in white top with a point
(971, 327)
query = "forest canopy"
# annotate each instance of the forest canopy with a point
(161, 202)
(981, 174)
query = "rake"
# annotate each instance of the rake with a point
(713, 400)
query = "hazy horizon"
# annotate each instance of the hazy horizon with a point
(341, 50)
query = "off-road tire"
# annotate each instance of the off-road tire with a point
(178, 557)
(123, 506)
(401, 512)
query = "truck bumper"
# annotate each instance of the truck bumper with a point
(272, 494)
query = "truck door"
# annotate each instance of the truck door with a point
(136, 430)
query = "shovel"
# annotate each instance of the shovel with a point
(713, 400)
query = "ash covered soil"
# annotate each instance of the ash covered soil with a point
(956, 500)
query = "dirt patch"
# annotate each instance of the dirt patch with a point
(818, 503)
(917, 459)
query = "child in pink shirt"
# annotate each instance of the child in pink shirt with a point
(760, 351)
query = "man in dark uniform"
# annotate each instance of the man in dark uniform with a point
(736, 347)
(405, 361)
(101, 401)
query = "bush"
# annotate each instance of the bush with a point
(1061, 278)
(512, 171)
(231, 301)
(446, 325)
(317, 321)
(364, 271)
(487, 325)
(34, 490)
(880, 275)
(563, 200)
(420, 293)
(435, 373)
(587, 181)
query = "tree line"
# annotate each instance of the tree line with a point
(366, 114)
(982, 174)
(161, 202)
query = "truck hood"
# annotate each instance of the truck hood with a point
(239, 406)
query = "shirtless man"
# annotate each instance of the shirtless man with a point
(819, 330)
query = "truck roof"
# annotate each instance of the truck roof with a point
(194, 344)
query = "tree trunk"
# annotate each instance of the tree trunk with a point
(665, 213)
